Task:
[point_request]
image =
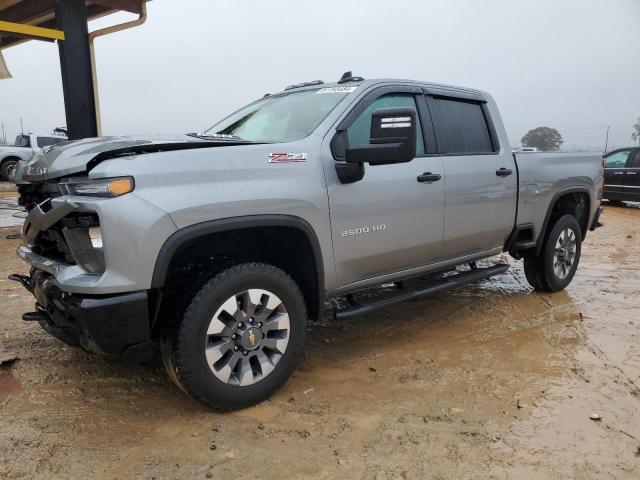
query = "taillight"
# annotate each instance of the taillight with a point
(604, 163)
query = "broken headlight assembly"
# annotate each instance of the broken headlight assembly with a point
(84, 238)
(100, 187)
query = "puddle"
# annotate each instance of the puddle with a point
(8, 385)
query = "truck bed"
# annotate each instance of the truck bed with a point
(544, 177)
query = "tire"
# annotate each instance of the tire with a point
(553, 269)
(533, 274)
(6, 168)
(224, 377)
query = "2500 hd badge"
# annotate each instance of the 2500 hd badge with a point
(352, 232)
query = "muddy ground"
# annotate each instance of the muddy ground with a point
(487, 381)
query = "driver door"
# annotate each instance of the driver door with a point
(390, 220)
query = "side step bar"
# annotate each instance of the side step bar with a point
(450, 281)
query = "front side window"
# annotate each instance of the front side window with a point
(617, 159)
(359, 133)
(281, 118)
(461, 127)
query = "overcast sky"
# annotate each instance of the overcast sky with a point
(571, 64)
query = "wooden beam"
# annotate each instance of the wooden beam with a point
(32, 11)
(4, 4)
(132, 6)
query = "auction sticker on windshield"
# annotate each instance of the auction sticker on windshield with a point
(336, 90)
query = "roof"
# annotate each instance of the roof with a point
(40, 13)
(437, 88)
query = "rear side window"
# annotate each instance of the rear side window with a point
(461, 127)
(22, 141)
(618, 159)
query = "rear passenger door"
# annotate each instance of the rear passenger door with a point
(632, 178)
(481, 178)
(615, 172)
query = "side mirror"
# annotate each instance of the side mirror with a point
(393, 138)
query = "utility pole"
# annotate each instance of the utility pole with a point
(606, 141)
(21, 127)
(4, 135)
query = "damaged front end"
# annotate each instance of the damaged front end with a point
(56, 236)
(87, 293)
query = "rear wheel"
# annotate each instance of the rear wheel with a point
(553, 269)
(240, 338)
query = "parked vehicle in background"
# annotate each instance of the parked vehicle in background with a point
(526, 149)
(217, 248)
(622, 175)
(24, 148)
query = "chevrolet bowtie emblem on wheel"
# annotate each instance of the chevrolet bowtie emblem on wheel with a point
(252, 338)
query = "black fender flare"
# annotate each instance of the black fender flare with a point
(186, 234)
(552, 203)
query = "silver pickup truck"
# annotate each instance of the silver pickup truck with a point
(24, 148)
(215, 249)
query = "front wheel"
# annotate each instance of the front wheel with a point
(240, 338)
(553, 269)
(8, 166)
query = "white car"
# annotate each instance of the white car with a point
(24, 148)
(527, 149)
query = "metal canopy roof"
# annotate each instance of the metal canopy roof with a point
(40, 13)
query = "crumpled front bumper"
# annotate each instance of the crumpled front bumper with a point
(109, 325)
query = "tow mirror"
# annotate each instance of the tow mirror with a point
(392, 139)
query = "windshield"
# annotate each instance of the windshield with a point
(281, 118)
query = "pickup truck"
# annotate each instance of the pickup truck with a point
(216, 249)
(24, 148)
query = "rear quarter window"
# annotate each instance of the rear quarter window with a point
(460, 126)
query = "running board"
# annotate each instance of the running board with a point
(450, 281)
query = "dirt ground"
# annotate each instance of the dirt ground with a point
(486, 381)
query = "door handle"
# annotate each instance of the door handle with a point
(429, 177)
(504, 172)
(632, 173)
(618, 173)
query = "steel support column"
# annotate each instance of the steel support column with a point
(75, 64)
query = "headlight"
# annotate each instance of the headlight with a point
(101, 187)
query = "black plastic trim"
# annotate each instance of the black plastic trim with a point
(456, 94)
(175, 241)
(109, 325)
(552, 203)
(445, 283)
(516, 231)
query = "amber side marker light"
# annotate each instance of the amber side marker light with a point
(120, 186)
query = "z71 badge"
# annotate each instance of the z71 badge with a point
(287, 157)
(352, 232)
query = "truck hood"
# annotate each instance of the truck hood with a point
(79, 156)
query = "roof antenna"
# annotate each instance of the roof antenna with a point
(348, 77)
